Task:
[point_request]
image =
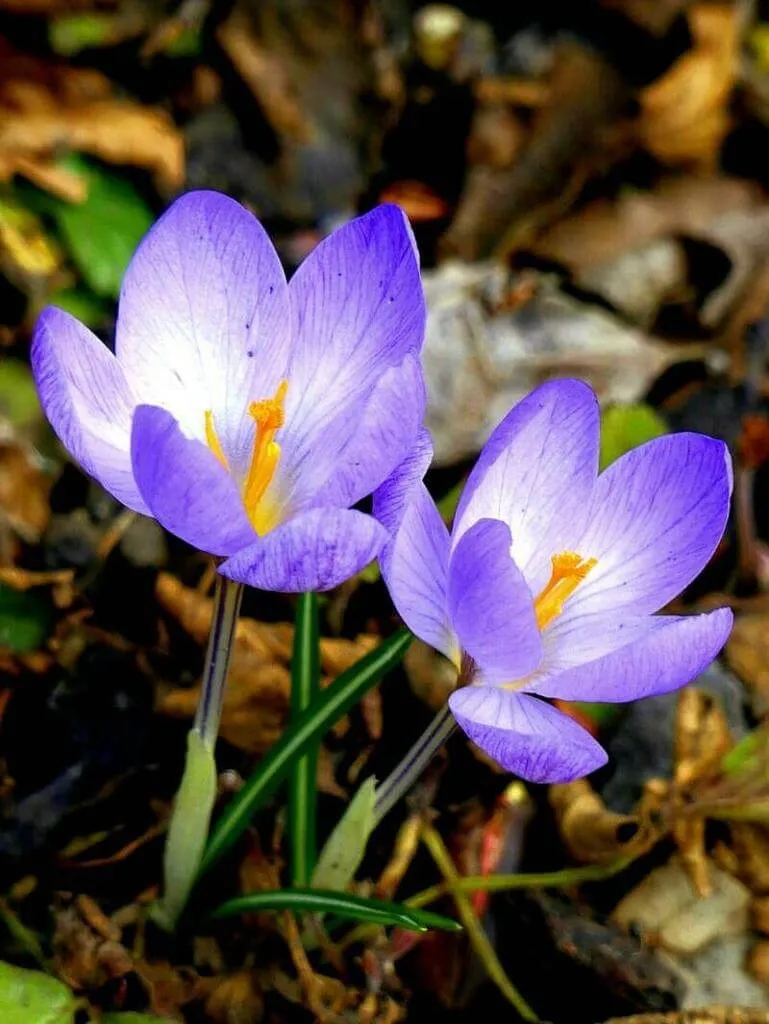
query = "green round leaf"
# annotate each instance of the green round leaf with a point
(31, 997)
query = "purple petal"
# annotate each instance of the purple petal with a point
(673, 651)
(415, 564)
(358, 311)
(386, 425)
(204, 320)
(526, 736)
(491, 606)
(315, 551)
(185, 487)
(536, 473)
(657, 517)
(86, 398)
(393, 497)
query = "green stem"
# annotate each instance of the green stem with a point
(402, 778)
(191, 815)
(227, 598)
(302, 787)
(333, 702)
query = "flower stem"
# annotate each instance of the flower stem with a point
(191, 815)
(403, 777)
(302, 790)
(227, 598)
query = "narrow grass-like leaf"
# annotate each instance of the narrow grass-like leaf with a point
(334, 702)
(320, 901)
(302, 789)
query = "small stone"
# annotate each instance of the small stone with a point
(666, 907)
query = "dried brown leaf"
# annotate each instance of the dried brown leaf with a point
(592, 833)
(83, 957)
(256, 701)
(46, 107)
(684, 114)
(702, 736)
(747, 654)
(751, 845)
(24, 489)
(236, 999)
(760, 913)
(703, 1015)
(116, 131)
(266, 76)
(758, 962)
(607, 228)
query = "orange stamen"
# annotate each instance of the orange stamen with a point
(268, 415)
(569, 569)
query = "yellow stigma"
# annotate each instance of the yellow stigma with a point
(268, 416)
(569, 569)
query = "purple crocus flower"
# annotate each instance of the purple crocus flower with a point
(549, 584)
(245, 414)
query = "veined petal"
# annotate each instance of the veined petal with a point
(387, 423)
(573, 639)
(657, 516)
(671, 651)
(204, 319)
(526, 736)
(491, 606)
(536, 473)
(415, 563)
(87, 400)
(392, 498)
(314, 551)
(185, 487)
(358, 310)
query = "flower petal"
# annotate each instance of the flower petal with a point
(393, 497)
(358, 309)
(315, 551)
(525, 735)
(204, 321)
(491, 606)
(185, 487)
(386, 425)
(536, 473)
(415, 564)
(86, 398)
(657, 516)
(672, 652)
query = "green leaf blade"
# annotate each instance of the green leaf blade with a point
(334, 702)
(343, 851)
(103, 232)
(319, 901)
